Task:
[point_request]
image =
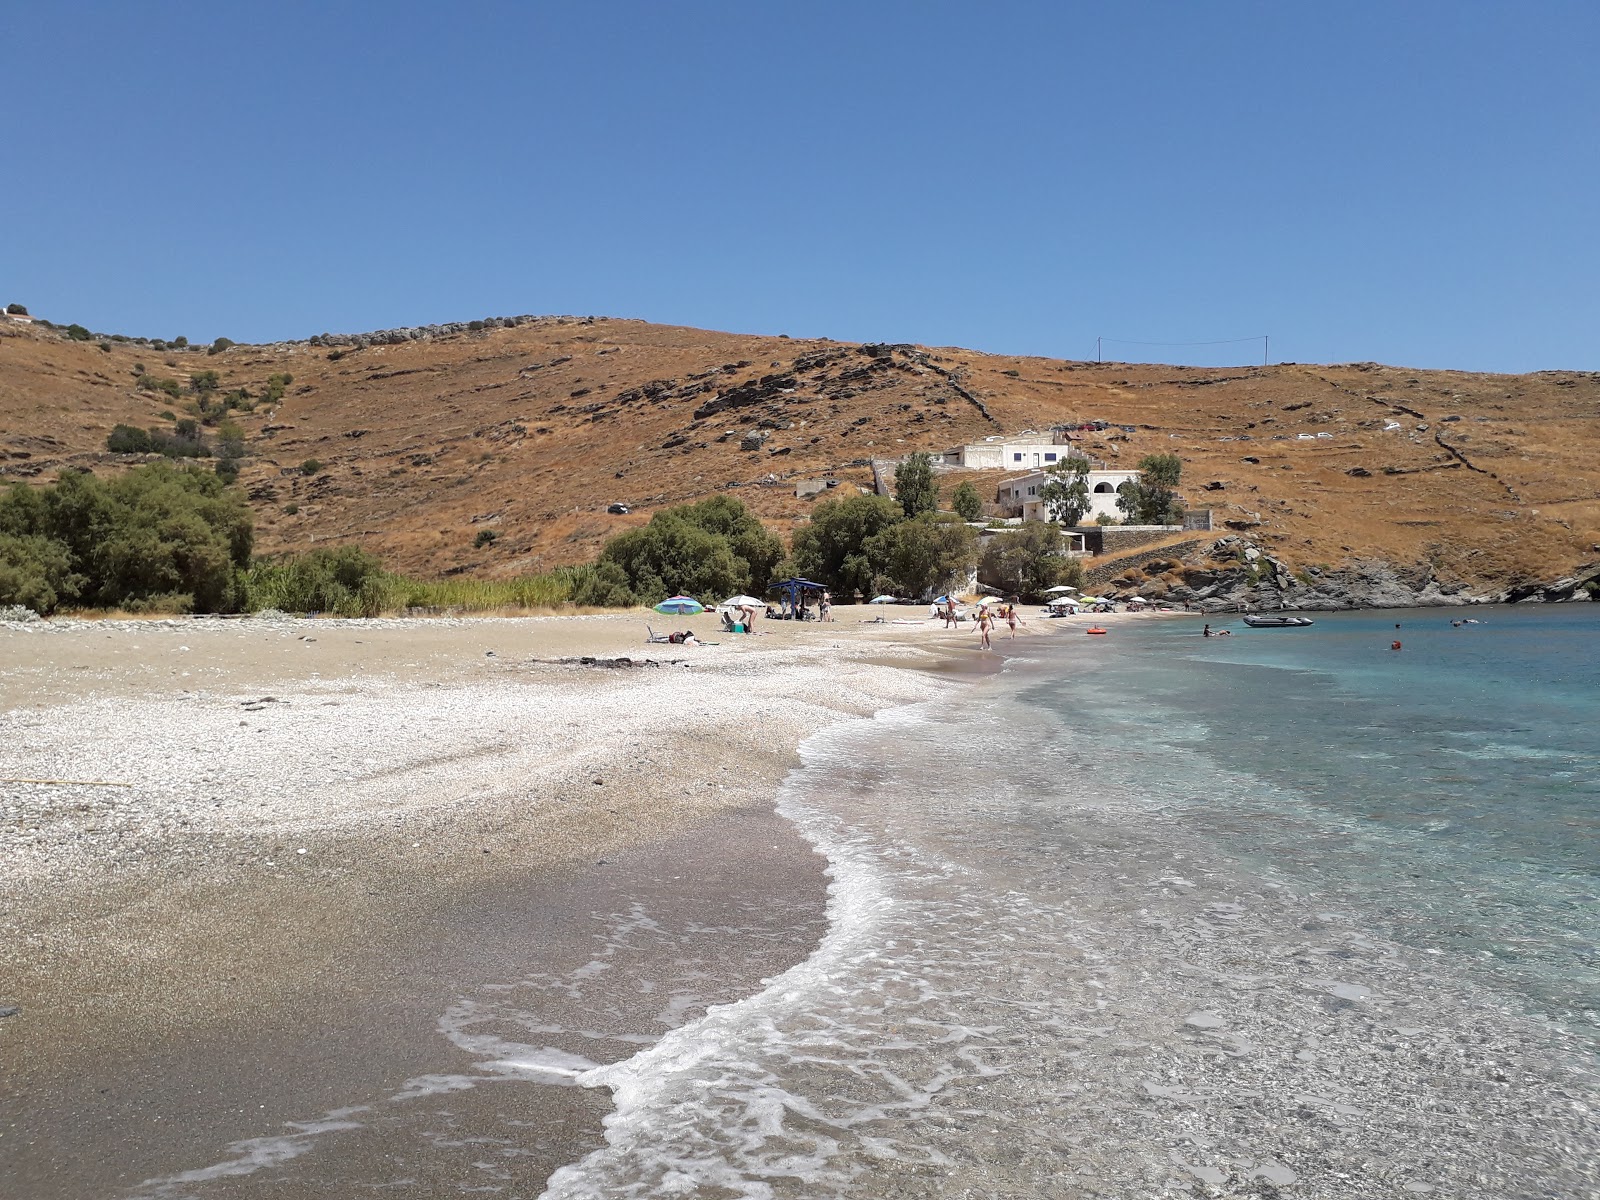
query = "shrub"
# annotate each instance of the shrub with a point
(17, 309)
(35, 573)
(966, 501)
(161, 535)
(290, 510)
(311, 466)
(227, 470)
(486, 537)
(335, 355)
(715, 547)
(105, 347)
(203, 383)
(1028, 560)
(221, 344)
(78, 333)
(599, 585)
(180, 342)
(346, 580)
(475, 326)
(125, 439)
(277, 386)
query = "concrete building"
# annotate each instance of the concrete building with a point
(1001, 453)
(1020, 496)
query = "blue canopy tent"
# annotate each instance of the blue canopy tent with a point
(793, 592)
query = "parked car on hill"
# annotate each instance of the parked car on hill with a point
(620, 509)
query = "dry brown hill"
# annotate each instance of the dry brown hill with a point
(533, 429)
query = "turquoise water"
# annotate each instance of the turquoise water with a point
(1451, 788)
(1150, 915)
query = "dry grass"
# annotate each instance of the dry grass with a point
(427, 443)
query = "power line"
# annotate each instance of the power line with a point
(1263, 338)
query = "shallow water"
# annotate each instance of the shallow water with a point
(1147, 915)
(1283, 910)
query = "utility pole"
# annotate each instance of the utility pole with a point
(1266, 343)
(1097, 349)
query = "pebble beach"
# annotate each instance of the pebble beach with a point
(219, 832)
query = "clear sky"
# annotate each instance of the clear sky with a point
(1408, 182)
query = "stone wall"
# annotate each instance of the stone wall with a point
(1097, 574)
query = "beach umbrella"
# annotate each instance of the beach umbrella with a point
(742, 602)
(1059, 588)
(884, 600)
(1137, 600)
(682, 606)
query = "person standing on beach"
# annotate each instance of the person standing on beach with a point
(825, 607)
(985, 624)
(1012, 619)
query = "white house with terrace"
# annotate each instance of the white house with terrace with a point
(1020, 496)
(1018, 453)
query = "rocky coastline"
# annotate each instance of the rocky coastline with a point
(1233, 574)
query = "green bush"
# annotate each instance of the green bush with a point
(35, 572)
(486, 537)
(345, 580)
(180, 342)
(221, 344)
(78, 333)
(125, 439)
(17, 309)
(311, 466)
(713, 548)
(1028, 561)
(160, 534)
(203, 383)
(966, 501)
(599, 585)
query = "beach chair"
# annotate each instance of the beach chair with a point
(662, 638)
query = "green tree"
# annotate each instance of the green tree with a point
(1152, 499)
(671, 557)
(36, 573)
(751, 542)
(923, 556)
(78, 333)
(203, 383)
(833, 548)
(1028, 561)
(914, 487)
(155, 535)
(1066, 490)
(966, 501)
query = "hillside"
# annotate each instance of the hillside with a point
(533, 428)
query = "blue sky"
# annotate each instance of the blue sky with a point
(1411, 183)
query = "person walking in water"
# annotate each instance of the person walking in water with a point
(1012, 619)
(985, 624)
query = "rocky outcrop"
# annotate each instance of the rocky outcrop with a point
(1233, 573)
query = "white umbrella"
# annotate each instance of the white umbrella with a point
(884, 600)
(1059, 588)
(1137, 600)
(742, 602)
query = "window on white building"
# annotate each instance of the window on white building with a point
(1016, 457)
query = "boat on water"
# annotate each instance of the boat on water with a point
(1264, 621)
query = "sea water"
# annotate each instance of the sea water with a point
(1286, 912)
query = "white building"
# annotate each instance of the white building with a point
(1023, 492)
(1023, 452)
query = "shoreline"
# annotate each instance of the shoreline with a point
(312, 806)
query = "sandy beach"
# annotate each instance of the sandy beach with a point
(262, 848)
